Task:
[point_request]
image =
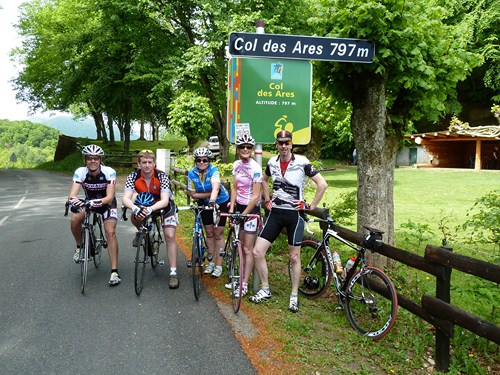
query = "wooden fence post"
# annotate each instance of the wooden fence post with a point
(443, 339)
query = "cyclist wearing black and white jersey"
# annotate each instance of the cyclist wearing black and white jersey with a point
(98, 182)
(288, 172)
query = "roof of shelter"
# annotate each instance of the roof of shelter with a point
(458, 133)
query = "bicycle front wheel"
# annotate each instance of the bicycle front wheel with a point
(156, 241)
(371, 303)
(237, 272)
(141, 258)
(315, 277)
(84, 258)
(99, 241)
(197, 265)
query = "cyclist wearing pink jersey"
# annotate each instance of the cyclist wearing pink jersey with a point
(245, 198)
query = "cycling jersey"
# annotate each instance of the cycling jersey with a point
(201, 183)
(159, 183)
(246, 174)
(288, 185)
(95, 187)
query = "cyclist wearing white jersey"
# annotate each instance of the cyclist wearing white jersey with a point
(98, 182)
(289, 172)
(245, 199)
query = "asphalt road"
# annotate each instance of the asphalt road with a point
(48, 327)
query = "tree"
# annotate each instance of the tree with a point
(190, 115)
(418, 63)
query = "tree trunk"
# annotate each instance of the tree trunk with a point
(377, 145)
(141, 131)
(99, 125)
(111, 130)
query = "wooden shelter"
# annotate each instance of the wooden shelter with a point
(464, 147)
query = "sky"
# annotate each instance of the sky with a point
(10, 109)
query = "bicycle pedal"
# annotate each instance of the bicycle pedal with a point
(105, 245)
(189, 263)
(161, 262)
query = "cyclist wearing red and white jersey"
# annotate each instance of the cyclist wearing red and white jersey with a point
(98, 182)
(289, 172)
(245, 198)
(149, 179)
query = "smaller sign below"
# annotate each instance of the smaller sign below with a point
(301, 47)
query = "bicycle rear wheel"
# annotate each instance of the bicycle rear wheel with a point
(141, 258)
(156, 241)
(371, 303)
(84, 258)
(315, 277)
(197, 265)
(237, 272)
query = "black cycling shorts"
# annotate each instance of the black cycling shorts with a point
(278, 219)
(207, 217)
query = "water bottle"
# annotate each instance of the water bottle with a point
(349, 265)
(337, 263)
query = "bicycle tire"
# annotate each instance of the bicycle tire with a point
(228, 254)
(197, 265)
(141, 258)
(156, 241)
(84, 258)
(98, 241)
(237, 272)
(371, 303)
(316, 274)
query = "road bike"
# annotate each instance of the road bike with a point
(93, 239)
(199, 247)
(148, 246)
(233, 254)
(366, 293)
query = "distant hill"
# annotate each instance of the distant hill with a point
(75, 128)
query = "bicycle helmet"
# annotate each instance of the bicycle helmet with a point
(245, 139)
(202, 151)
(145, 199)
(92, 150)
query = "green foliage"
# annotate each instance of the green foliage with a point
(416, 234)
(344, 210)
(484, 219)
(190, 115)
(31, 143)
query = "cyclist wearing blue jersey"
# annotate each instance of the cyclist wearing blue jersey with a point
(205, 186)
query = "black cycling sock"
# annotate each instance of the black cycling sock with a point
(114, 270)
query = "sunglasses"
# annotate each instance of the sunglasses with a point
(92, 158)
(146, 151)
(285, 143)
(201, 160)
(245, 147)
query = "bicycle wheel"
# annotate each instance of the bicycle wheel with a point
(315, 277)
(237, 272)
(197, 265)
(371, 302)
(99, 241)
(228, 254)
(156, 241)
(141, 258)
(84, 258)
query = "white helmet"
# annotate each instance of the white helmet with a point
(245, 139)
(92, 150)
(202, 151)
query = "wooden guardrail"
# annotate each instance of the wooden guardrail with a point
(121, 160)
(439, 262)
